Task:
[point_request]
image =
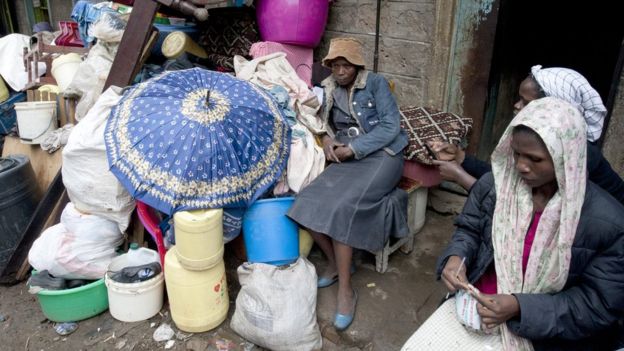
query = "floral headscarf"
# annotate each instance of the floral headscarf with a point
(563, 130)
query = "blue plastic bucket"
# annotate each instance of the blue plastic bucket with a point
(271, 237)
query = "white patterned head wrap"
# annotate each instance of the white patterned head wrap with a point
(571, 86)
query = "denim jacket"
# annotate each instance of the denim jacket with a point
(375, 110)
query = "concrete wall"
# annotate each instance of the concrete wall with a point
(413, 46)
(612, 147)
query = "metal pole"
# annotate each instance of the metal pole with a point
(376, 56)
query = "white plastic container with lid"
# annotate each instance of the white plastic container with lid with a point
(133, 302)
(35, 119)
(138, 256)
(64, 68)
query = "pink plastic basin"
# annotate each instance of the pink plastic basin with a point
(296, 22)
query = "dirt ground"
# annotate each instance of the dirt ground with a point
(390, 307)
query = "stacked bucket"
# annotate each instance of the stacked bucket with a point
(195, 272)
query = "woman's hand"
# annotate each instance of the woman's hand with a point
(449, 170)
(452, 171)
(343, 153)
(454, 274)
(329, 145)
(496, 309)
(447, 152)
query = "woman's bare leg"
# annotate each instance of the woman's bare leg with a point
(343, 263)
(326, 245)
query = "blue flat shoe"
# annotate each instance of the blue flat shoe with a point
(324, 282)
(343, 321)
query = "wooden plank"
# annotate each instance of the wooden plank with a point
(45, 165)
(126, 63)
(147, 49)
(136, 231)
(67, 110)
(62, 104)
(71, 110)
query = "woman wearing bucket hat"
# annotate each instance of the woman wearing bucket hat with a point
(354, 203)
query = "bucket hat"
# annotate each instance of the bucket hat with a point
(349, 48)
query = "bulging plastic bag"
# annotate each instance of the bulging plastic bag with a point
(80, 247)
(109, 27)
(93, 71)
(276, 306)
(466, 307)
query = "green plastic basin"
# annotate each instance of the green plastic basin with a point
(75, 304)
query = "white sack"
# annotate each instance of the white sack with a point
(276, 306)
(90, 185)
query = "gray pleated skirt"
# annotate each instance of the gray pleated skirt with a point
(356, 202)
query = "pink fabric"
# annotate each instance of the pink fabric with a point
(528, 240)
(487, 283)
(300, 58)
(427, 175)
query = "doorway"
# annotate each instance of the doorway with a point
(584, 36)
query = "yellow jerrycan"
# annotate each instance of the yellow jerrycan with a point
(199, 238)
(198, 299)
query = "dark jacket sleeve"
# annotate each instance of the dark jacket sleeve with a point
(469, 225)
(592, 304)
(475, 167)
(389, 121)
(601, 173)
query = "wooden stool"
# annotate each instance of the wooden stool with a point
(416, 209)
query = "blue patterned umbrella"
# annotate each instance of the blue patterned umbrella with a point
(197, 139)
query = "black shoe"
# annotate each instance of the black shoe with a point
(75, 283)
(136, 274)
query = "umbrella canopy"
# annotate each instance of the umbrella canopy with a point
(197, 139)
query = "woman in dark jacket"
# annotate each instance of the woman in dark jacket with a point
(464, 169)
(543, 246)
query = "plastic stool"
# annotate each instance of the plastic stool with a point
(150, 222)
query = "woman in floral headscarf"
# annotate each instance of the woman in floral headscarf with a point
(543, 246)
